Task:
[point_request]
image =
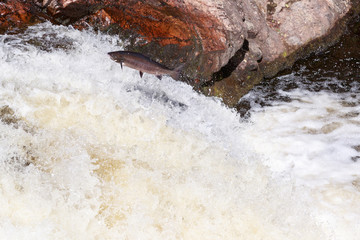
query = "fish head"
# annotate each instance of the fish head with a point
(116, 56)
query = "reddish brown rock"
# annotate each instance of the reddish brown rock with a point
(15, 14)
(199, 33)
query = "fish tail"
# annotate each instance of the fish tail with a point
(176, 72)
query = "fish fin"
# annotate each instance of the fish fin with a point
(159, 77)
(141, 73)
(176, 72)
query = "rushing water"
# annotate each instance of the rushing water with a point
(91, 151)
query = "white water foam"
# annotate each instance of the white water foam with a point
(90, 151)
(315, 137)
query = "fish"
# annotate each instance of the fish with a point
(144, 64)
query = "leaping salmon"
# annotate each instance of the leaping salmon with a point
(143, 64)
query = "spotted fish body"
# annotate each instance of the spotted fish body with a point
(143, 64)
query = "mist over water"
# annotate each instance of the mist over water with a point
(93, 151)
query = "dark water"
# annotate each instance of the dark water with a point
(336, 70)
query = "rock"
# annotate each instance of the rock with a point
(281, 32)
(227, 46)
(14, 14)
(255, 51)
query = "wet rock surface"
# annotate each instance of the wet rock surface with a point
(335, 70)
(227, 46)
(279, 33)
(15, 14)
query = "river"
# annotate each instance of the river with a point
(93, 151)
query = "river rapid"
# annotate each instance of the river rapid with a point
(92, 151)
